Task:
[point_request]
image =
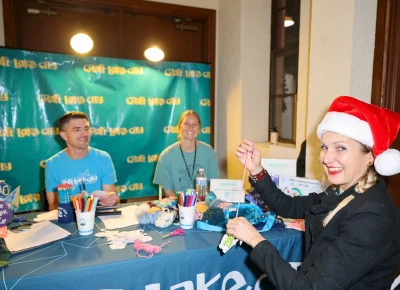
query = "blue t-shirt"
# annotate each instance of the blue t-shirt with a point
(95, 169)
(172, 174)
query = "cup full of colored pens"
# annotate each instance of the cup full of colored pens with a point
(85, 209)
(187, 206)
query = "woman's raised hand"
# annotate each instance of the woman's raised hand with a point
(253, 163)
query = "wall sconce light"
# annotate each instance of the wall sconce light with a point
(288, 21)
(81, 43)
(154, 54)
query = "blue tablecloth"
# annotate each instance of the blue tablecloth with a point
(192, 261)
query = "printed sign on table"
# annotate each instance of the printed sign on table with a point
(228, 189)
(296, 186)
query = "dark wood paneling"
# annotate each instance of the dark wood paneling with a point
(386, 71)
(53, 33)
(141, 31)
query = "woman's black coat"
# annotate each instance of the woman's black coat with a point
(358, 249)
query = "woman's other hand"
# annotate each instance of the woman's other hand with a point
(241, 229)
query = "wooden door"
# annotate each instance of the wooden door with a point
(386, 73)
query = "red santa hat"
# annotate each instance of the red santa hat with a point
(368, 124)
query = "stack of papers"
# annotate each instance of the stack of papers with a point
(127, 218)
(39, 234)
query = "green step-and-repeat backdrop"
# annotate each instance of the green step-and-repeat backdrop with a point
(133, 107)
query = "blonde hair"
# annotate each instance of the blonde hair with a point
(364, 183)
(370, 177)
(183, 116)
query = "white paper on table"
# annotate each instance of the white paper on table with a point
(279, 166)
(127, 218)
(39, 234)
(227, 189)
(47, 216)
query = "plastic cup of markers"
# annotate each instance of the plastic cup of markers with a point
(85, 221)
(186, 216)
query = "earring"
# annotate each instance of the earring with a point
(370, 163)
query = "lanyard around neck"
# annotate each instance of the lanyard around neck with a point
(194, 162)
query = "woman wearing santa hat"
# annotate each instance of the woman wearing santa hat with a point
(352, 237)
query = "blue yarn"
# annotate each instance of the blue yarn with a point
(146, 218)
(210, 197)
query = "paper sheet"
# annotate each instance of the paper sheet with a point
(127, 218)
(47, 216)
(40, 234)
(279, 166)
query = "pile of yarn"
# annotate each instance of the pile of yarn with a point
(215, 215)
(160, 213)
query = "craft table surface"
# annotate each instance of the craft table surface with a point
(192, 261)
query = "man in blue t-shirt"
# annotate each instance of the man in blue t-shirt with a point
(79, 164)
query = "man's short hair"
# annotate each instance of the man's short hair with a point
(64, 120)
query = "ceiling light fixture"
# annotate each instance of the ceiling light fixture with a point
(288, 21)
(154, 54)
(81, 43)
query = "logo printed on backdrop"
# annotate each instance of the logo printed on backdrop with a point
(170, 72)
(27, 132)
(206, 130)
(142, 158)
(85, 177)
(121, 188)
(43, 163)
(141, 101)
(188, 73)
(50, 131)
(3, 97)
(171, 129)
(152, 158)
(136, 101)
(5, 166)
(135, 186)
(112, 70)
(7, 132)
(119, 70)
(5, 61)
(205, 102)
(124, 131)
(136, 159)
(100, 131)
(31, 64)
(28, 198)
(69, 100)
(197, 74)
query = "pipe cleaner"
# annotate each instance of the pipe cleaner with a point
(178, 232)
(147, 248)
